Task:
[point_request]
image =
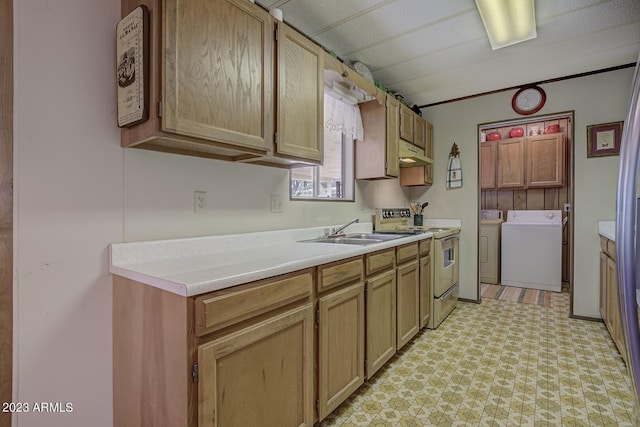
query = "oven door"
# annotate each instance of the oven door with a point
(446, 265)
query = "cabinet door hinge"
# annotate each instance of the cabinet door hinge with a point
(159, 108)
(194, 373)
(317, 316)
(317, 406)
(275, 34)
(275, 138)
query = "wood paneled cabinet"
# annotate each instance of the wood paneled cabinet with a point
(426, 296)
(259, 375)
(381, 309)
(420, 175)
(212, 74)
(407, 294)
(406, 123)
(510, 162)
(528, 162)
(300, 96)
(609, 303)
(341, 338)
(488, 165)
(419, 131)
(377, 156)
(545, 160)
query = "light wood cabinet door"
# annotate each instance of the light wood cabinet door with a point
(218, 71)
(341, 337)
(545, 161)
(488, 165)
(428, 151)
(613, 307)
(406, 123)
(510, 158)
(377, 156)
(603, 287)
(380, 321)
(419, 131)
(425, 291)
(300, 99)
(260, 375)
(393, 137)
(407, 303)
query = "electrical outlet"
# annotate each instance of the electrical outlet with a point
(199, 201)
(276, 204)
(567, 207)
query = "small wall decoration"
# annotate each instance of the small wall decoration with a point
(132, 67)
(604, 139)
(454, 170)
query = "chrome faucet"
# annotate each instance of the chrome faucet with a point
(337, 231)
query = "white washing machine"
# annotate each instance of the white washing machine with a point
(532, 249)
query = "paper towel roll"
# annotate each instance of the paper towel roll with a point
(276, 13)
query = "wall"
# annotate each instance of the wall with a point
(77, 190)
(596, 99)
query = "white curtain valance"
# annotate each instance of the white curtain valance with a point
(340, 116)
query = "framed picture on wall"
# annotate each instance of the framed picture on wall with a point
(604, 139)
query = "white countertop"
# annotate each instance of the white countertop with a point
(607, 229)
(194, 266)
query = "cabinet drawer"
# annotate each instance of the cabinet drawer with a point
(611, 249)
(424, 247)
(407, 252)
(230, 306)
(380, 261)
(339, 273)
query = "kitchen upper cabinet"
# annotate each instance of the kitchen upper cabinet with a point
(419, 131)
(488, 165)
(211, 79)
(300, 96)
(260, 375)
(377, 156)
(406, 123)
(420, 175)
(545, 160)
(510, 159)
(341, 337)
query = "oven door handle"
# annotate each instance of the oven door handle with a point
(449, 238)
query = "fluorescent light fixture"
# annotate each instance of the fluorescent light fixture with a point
(508, 21)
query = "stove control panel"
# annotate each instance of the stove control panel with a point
(389, 213)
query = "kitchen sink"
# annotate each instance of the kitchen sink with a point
(356, 239)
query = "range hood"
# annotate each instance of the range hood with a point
(412, 155)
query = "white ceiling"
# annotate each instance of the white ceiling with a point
(437, 50)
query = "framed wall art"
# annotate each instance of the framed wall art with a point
(132, 67)
(604, 139)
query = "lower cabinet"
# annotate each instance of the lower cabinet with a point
(408, 302)
(425, 290)
(259, 375)
(264, 353)
(609, 302)
(381, 321)
(340, 347)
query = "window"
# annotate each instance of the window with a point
(334, 180)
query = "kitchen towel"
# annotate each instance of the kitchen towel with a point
(454, 173)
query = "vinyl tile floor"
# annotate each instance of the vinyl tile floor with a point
(499, 363)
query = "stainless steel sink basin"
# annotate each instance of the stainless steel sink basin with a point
(356, 239)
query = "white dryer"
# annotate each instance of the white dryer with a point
(532, 249)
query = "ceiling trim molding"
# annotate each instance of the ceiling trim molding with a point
(557, 79)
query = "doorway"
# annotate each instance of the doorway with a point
(6, 206)
(510, 180)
